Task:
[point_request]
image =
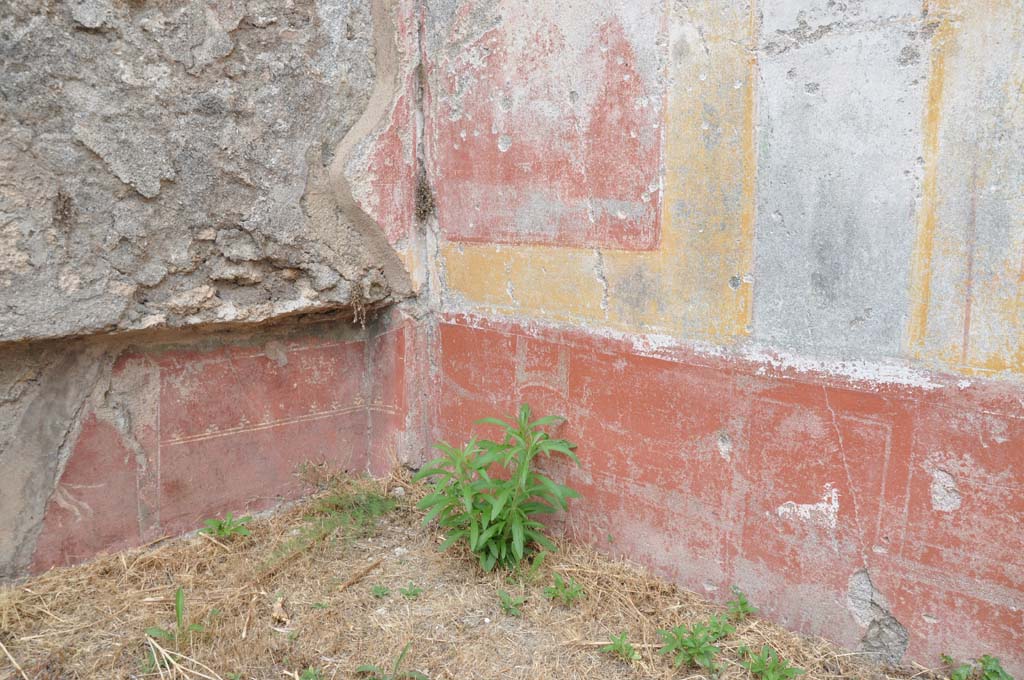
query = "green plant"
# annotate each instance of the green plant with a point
(992, 669)
(988, 668)
(689, 646)
(411, 591)
(719, 627)
(767, 665)
(379, 591)
(320, 605)
(495, 514)
(957, 671)
(511, 605)
(181, 628)
(620, 646)
(377, 673)
(310, 674)
(227, 527)
(565, 591)
(739, 607)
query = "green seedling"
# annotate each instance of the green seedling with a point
(621, 647)
(988, 668)
(152, 663)
(992, 669)
(767, 665)
(957, 671)
(511, 605)
(377, 673)
(739, 607)
(320, 605)
(411, 591)
(379, 591)
(494, 515)
(719, 627)
(689, 646)
(181, 629)
(227, 527)
(310, 674)
(566, 592)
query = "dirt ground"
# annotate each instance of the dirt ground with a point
(295, 600)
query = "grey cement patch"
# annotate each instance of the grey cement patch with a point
(838, 181)
(884, 637)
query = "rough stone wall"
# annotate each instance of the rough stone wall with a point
(166, 164)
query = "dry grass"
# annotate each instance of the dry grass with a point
(274, 604)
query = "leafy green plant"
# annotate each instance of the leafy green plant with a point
(992, 669)
(621, 647)
(511, 605)
(988, 668)
(719, 627)
(411, 591)
(957, 671)
(691, 646)
(766, 665)
(227, 527)
(377, 673)
(379, 591)
(739, 607)
(567, 592)
(181, 629)
(495, 514)
(310, 674)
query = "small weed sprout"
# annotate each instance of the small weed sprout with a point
(739, 607)
(181, 629)
(320, 605)
(379, 591)
(719, 627)
(310, 674)
(690, 646)
(988, 668)
(511, 605)
(411, 591)
(619, 646)
(992, 669)
(495, 514)
(377, 673)
(566, 592)
(957, 671)
(227, 527)
(766, 665)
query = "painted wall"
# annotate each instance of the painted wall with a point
(767, 258)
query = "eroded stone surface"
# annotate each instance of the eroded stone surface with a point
(169, 163)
